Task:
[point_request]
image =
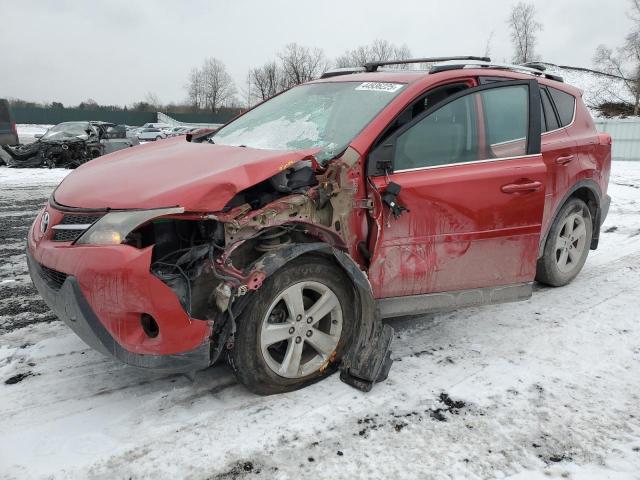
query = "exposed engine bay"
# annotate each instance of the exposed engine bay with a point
(214, 262)
(69, 153)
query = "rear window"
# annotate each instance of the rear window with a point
(565, 104)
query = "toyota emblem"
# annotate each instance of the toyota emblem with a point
(44, 222)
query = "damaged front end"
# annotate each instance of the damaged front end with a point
(213, 262)
(68, 153)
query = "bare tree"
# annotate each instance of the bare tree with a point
(211, 86)
(624, 61)
(524, 28)
(301, 64)
(219, 87)
(266, 81)
(378, 51)
(195, 89)
(153, 100)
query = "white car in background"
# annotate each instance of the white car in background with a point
(151, 134)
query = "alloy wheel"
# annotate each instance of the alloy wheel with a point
(301, 329)
(570, 243)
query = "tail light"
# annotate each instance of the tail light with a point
(14, 129)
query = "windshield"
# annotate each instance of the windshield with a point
(67, 130)
(318, 115)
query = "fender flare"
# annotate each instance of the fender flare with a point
(368, 360)
(595, 189)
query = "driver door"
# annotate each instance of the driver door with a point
(472, 179)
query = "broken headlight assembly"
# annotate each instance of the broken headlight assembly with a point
(114, 227)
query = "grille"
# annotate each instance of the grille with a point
(74, 219)
(66, 235)
(70, 235)
(52, 277)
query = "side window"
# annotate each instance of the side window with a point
(543, 120)
(506, 118)
(565, 104)
(451, 134)
(448, 135)
(549, 114)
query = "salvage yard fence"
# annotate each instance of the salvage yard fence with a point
(625, 133)
(53, 116)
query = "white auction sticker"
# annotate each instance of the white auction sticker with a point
(380, 86)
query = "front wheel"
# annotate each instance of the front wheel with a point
(567, 244)
(295, 329)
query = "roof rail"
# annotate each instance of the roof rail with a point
(334, 72)
(373, 66)
(530, 69)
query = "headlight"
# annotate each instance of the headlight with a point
(114, 227)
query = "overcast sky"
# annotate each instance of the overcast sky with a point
(116, 51)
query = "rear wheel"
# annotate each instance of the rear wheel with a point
(295, 329)
(158, 137)
(567, 245)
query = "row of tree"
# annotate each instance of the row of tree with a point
(211, 87)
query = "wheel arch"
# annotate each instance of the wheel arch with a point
(589, 192)
(368, 359)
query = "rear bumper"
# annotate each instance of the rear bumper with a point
(63, 294)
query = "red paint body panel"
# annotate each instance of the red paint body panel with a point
(461, 230)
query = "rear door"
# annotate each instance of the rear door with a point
(473, 182)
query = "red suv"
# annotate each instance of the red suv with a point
(280, 241)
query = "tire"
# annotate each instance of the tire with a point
(567, 245)
(261, 366)
(158, 138)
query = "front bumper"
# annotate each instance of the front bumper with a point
(67, 298)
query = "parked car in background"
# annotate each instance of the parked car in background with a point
(132, 132)
(174, 131)
(281, 240)
(69, 144)
(159, 125)
(8, 131)
(151, 134)
(114, 137)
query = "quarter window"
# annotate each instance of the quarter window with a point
(550, 116)
(452, 133)
(565, 104)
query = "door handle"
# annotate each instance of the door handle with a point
(529, 186)
(563, 160)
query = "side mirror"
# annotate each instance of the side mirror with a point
(380, 159)
(38, 135)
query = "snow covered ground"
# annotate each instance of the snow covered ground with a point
(547, 388)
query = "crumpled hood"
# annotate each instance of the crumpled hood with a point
(197, 176)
